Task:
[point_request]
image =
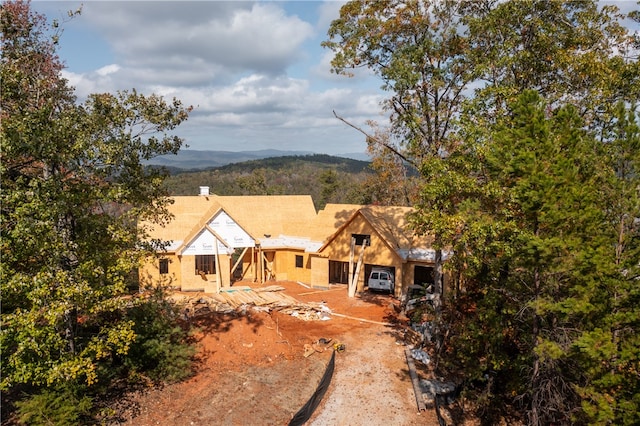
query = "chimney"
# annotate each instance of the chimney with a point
(204, 190)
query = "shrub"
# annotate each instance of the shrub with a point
(162, 349)
(64, 405)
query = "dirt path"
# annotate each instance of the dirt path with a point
(252, 369)
(371, 384)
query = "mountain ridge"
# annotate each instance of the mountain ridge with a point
(188, 159)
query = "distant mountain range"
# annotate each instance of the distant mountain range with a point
(193, 159)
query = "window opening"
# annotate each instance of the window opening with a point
(205, 263)
(362, 239)
(164, 266)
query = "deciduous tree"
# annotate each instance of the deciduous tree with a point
(420, 54)
(73, 189)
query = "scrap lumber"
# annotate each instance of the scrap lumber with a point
(319, 291)
(269, 288)
(231, 299)
(356, 277)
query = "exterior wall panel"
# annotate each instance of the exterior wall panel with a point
(319, 272)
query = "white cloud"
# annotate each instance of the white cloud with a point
(255, 73)
(217, 37)
(109, 69)
(329, 11)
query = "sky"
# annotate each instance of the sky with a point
(254, 71)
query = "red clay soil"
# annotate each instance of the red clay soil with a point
(252, 370)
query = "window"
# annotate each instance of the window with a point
(299, 261)
(205, 263)
(362, 239)
(164, 266)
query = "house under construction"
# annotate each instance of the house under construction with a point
(214, 241)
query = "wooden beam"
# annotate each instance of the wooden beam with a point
(319, 291)
(235, 265)
(261, 265)
(356, 284)
(387, 324)
(218, 274)
(253, 263)
(354, 281)
(351, 253)
(266, 261)
(215, 234)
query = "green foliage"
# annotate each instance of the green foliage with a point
(419, 54)
(536, 252)
(531, 181)
(162, 350)
(73, 189)
(64, 405)
(292, 175)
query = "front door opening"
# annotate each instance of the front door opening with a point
(338, 272)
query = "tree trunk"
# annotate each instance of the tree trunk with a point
(71, 324)
(534, 415)
(437, 285)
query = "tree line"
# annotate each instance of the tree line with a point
(325, 178)
(522, 118)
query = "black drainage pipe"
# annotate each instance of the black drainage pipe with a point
(307, 410)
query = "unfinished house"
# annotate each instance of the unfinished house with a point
(366, 237)
(214, 240)
(278, 224)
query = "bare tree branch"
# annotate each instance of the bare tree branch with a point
(377, 140)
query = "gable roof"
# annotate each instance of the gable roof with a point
(391, 223)
(222, 227)
(259, 216)
(330, 219)
(187, 211)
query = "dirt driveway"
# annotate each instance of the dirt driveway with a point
(252, 368)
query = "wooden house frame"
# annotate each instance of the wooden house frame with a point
(214, 240)
(235, 237)
(373, 236)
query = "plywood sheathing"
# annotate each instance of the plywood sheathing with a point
(187, 211)
(330, 219)
(272, 215)
(258, 215)
(391, 223)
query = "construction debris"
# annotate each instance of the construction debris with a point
(242, 298)
(434, 389)
(308, 350)
(420, 355)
